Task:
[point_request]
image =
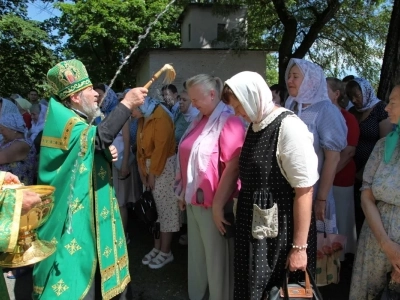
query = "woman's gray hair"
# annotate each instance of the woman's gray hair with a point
(207, 81)
(35, 108)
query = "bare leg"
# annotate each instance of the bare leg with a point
(157, 243)
(166, 240)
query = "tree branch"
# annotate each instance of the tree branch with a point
(332, 39)
(316, 27)
(288, 38)
(283, 14)
(95, 52)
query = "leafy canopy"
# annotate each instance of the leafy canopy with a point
(340, 35)
(102, 32)
(25, 56)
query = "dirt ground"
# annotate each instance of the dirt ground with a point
(166, 283)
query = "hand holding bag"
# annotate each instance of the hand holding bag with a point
(146, 209)
(296, 291)
(391, 291)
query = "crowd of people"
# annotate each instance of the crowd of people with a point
(254, 171)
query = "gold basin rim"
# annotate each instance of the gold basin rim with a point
(49, 189)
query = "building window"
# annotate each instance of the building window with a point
(221, 31)
(189, 32)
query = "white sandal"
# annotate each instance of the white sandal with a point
(161, 260)
(149, 256)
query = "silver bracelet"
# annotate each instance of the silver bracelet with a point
(299, 248)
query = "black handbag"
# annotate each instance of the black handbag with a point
(391, 291)
(296, 291)
(145, 209)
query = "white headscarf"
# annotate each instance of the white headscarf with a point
(368, 93)
(254, 95)
(38, 126)
(313, 89)
(23, 103)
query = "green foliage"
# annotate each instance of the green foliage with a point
(25, 56)
(352, 39)
(272, 71)
(102, 32)
(18, 7)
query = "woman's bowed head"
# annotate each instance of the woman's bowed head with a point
(251, 101)
(205, 92)
(274, 135)
(361, 94)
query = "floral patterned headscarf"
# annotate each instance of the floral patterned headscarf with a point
(13, 121)
(7, 107)
(313, 89)
(368, 94)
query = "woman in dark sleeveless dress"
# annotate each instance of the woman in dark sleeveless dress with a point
(374, 125)
(278, 168)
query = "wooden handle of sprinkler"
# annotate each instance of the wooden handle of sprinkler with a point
(154, 78)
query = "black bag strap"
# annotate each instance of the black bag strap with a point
(309, 280)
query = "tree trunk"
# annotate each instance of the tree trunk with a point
(390, 73)
(290, 32)
(288, 38)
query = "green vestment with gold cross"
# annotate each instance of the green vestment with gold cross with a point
(85, 224)
(10, 216)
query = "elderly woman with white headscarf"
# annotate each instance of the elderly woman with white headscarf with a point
(17, 155)
(308, 98)
(277, 170)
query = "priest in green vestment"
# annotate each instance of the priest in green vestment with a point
(13, 204)
(91, 260)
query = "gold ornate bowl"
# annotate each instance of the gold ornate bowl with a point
(29, 249)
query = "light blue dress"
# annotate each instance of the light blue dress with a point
(326, 123)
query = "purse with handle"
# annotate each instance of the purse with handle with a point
(391, 291)
(296, 291)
